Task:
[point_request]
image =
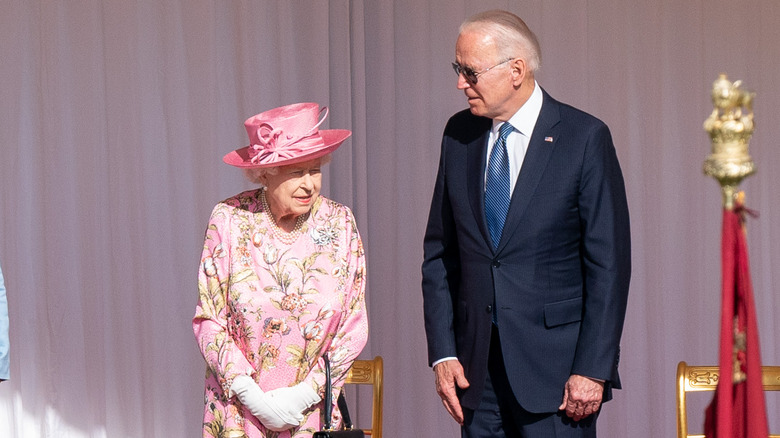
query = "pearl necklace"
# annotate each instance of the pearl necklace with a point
(283, 236)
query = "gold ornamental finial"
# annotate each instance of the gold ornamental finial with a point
(730, 127)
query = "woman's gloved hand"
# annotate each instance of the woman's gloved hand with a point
(264, 406)
(294, 400)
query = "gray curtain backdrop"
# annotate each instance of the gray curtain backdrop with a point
(115, 116)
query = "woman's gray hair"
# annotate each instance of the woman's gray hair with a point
(255, 175)
(510, 34)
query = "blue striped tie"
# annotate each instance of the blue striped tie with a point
(497, 185)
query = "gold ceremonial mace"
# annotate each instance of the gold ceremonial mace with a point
(730, 127)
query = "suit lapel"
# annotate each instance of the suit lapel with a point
(536, 158)
(476, 162)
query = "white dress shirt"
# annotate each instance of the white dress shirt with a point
(523, 121)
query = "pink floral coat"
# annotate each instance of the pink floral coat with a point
(271, 310)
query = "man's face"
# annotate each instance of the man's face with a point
(490, 96)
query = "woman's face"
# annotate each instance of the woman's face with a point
(292, 190)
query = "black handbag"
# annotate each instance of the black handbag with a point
(347, 431)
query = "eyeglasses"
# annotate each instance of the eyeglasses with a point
(471, 75)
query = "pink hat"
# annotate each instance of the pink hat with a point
(286, 135)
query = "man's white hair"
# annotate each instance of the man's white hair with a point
(510, 34)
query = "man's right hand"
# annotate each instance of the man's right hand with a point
(449, 374)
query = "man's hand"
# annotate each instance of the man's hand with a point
(448, 374)
(581, 397)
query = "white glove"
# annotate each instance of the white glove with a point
(294, 400)
(262, 405)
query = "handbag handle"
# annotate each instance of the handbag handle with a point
(342, 402)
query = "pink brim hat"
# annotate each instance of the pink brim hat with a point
(286, 135)
(332, 138)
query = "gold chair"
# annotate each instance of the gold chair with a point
(705, 378)
(369, 372)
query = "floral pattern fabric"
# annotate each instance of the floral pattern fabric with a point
(271, 310)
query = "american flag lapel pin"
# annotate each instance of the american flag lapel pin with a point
(548, 139)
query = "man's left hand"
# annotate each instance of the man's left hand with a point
(581, 397)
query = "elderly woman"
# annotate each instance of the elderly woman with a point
(281, 283)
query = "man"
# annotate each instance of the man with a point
(527, 248)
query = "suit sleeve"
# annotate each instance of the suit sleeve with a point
(606, 257)
(440, 270)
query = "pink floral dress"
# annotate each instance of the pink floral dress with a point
(271, 310)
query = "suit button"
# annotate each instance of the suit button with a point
(489, 309)
(496, 263)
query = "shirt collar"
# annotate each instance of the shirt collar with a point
(524, 119)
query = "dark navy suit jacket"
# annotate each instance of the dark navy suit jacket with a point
(560, 274)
